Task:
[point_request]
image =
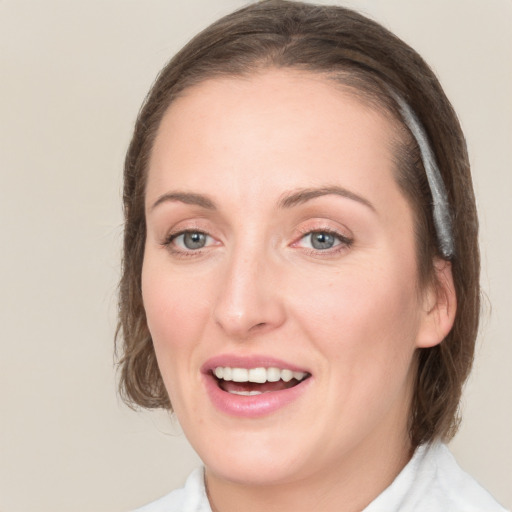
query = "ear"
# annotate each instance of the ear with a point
(439, 306)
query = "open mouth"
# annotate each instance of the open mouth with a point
(256, 381)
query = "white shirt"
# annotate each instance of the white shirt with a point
(432, 481)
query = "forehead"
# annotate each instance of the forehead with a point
(271, 109)
(291, 128)
(274, 91)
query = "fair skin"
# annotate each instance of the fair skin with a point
(277, 236)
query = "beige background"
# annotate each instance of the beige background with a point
(72, 77)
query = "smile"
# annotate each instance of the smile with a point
(254, 390)
(256, 381)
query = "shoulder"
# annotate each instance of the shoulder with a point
(190, 498)
(434, 481)
(461, 488)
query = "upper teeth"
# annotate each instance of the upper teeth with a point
(258, 375)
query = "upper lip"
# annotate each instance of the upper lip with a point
(254, 361)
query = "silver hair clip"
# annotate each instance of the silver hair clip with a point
(441, 213)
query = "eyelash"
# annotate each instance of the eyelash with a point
(183, 253)
(344, 242)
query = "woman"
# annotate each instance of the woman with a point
(300, 280)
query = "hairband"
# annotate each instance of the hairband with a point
(441, 210)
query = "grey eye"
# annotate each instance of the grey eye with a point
(320, 240)
(194, 240)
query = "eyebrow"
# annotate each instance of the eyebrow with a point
(187, 198)
(303, 195)
(289, 200)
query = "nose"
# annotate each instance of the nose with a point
(250, 300)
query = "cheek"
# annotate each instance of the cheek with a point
(173, 307)
(365, 330)
(362, 316)
(176, 312)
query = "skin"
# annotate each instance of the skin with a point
(352, 315)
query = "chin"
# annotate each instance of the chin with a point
(251, 456)
(256, 469)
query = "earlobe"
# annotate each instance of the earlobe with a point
(440, 306)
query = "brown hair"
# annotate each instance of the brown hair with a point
(369, 60)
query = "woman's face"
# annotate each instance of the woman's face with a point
(280, 247)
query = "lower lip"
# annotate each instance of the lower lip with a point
(255, 405)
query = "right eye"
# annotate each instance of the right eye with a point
(190, 240)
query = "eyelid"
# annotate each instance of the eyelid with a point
(179, 251)
(171, 238)
(341, 238)
(344, 238)
(176, 227)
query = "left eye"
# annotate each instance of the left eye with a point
(321, 240)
